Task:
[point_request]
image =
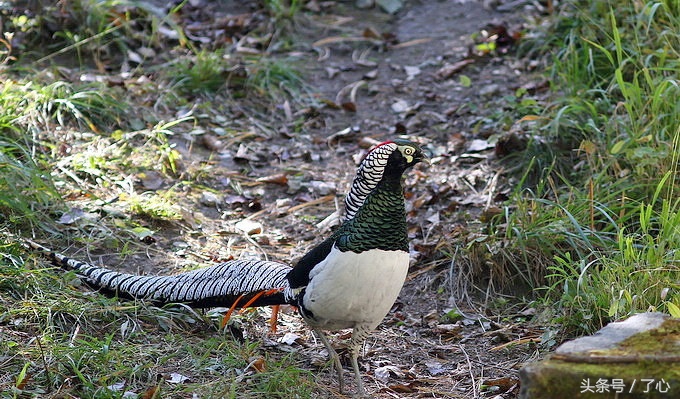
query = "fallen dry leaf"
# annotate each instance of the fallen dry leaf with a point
(435, 368)
(371, 33)
(211, 142)
(151, 180)
(290, 338)
(176, 378)
(372, 74)
(249, 227)
(449, 70)
(505, 383)
(278, 178)
(349, 106)
(258, 364)
(149, 393)
(383, 373)
(403, 388)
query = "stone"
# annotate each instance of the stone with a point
(613, 333)
(249, 227)
(636, 358)
(390, 6)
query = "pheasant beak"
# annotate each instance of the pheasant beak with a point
(423, 157)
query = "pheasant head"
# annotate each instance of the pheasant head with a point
(385, 163)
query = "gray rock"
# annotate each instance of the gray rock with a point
(613, 333)
(632, 359)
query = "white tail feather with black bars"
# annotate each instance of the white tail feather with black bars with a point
(218, 285)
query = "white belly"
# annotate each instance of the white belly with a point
(349, 288)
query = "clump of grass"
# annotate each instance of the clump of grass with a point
(598, 196)
(276, 79)
(639, 274)
(152, 206)
(99, 32)
(283, 9)
(269, 79)
(27, 195)
(205, 72)
(33, 106)
(30, 109)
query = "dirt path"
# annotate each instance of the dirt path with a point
(417, 352)
(409, 83)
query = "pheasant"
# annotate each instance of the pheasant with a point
(350, 280)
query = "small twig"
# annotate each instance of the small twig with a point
(452, 276)
(44, 363)
(257, 245)
(74, 336)
(355, 88)
(491, 189)
(472, 375)
(411, 43)
(452, 270)
(352, 88)
(79, 43)
(519, 341)
(317, 201)
(360, 58)
(70, 174)
(324, 53)
(341, 39)
(240, 138)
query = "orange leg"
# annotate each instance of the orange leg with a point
(252, 300)
(273, 319)
(227, 316)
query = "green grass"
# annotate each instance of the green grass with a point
(251, 78)
(283, 9)
(30, 108)
(33, 105)
(204, 72)
(597, 203)
(27, 196)
(277, 79)
(98, 33)
(57, 338)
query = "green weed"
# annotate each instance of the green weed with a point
(602, 201)
(97, 32)
(27, 195)
(30, 105)
(283, 9)
(276, 79)
(204, 72)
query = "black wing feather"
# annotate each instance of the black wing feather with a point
(299, 275)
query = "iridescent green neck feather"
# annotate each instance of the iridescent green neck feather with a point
(379, 224)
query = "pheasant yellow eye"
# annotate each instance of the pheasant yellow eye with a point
(408, 152)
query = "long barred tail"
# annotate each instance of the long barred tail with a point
(220, 285)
